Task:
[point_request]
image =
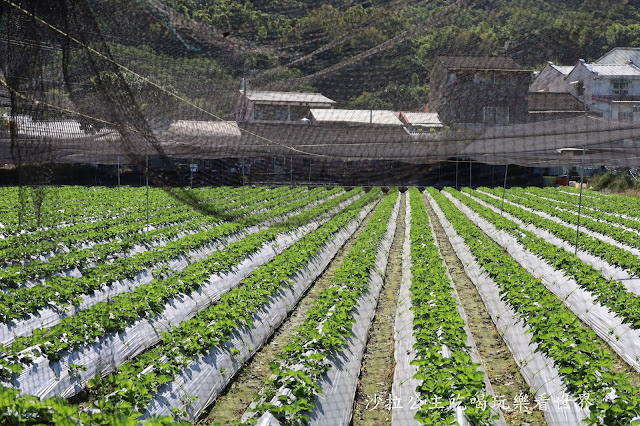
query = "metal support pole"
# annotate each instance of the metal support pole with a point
(243, 188)
(191, 171)
(504, 186)
(469, 172)
(118, 172)
(580, 202)
(456, 173)
(146, 179)
(291, 169)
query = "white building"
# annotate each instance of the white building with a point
(612, 90)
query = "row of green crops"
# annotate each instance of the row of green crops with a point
(59, 291)
(608, 252)
(612, 294)
(437, 322)
(133, 385)
(146, 301)
(584, 366)
(569, 202)
(613, 203)
(326, 328)
(31, 245)
(623, 236)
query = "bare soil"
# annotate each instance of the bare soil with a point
(378, 363)
(501, 368)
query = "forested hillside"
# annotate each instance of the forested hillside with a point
(364, 54)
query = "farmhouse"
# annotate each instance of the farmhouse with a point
(477, 91)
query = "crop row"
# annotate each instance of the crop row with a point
(60, 291)
(613, 203)
(612, 294)
(585, 367)
(132, 386)
(294, 384)
(608, 252)
(146, 301)
(623, 236)
(445, 369)
(33, 245)
(569, 202)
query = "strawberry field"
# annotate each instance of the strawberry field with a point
(324, 306)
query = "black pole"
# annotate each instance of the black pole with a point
(469, 172)
(146, 179)
(580, 202)
(504, 186)
(456, 173)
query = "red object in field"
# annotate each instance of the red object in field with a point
(562, 181)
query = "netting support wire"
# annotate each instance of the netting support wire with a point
(504, 186)
(580, 202)
(146, 180)
(457, 189)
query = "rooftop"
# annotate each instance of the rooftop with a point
(563, 69)
(356, 116)
(613, 70)
(620, 55)
(422, 118)
(298, 97)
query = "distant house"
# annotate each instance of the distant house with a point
(612, 90)
(264, 106)
(620, 56)
(550, 95)
(478, 91)
(354, 117)
(417, 122)
(552, 79)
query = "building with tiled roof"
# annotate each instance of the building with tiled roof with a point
(477, 91)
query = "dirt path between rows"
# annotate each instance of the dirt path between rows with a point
(501, 368)
(376, 372)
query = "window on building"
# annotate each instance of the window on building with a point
(620, 87)
(625, 116)
(636, 108)
(495, 115)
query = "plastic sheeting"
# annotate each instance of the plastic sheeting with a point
(538, 370)
(44, 378)
(334, 405)
(624, 340)
(599, 236)
(632, 284)
(404, 383)
(202, 381)
(48, 317)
